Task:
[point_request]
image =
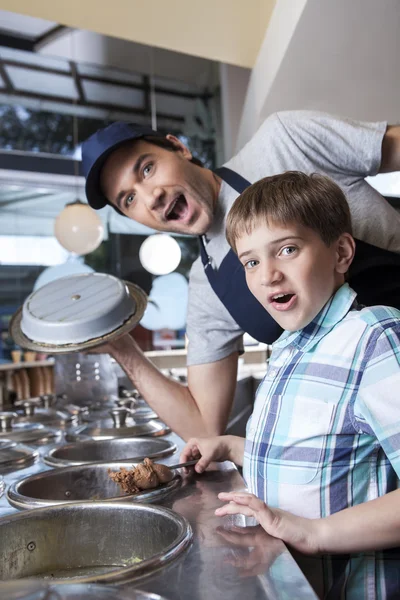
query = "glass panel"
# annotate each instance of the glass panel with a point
(41, 83)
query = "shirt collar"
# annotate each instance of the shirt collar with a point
(334, 311)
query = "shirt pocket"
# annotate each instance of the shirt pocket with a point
(292, 439)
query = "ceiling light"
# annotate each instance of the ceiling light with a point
(78, 228)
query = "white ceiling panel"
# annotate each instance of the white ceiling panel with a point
(174, 105)
(109, 73)
(113, 94)
(31, 58)
(24, 25)
(42, 83)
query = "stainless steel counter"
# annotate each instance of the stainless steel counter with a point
(226, 559)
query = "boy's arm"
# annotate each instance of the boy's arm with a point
(372, 525)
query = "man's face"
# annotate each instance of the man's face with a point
(291, 271)
(160, 188)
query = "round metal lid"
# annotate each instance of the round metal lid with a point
(39, 590)
(27, 433)
(46, 417)
(77, 313)
(13, 456)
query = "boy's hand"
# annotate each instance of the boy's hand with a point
(263, 549)
(298, 532)
(207, 450)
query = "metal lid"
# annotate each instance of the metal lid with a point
(50, 417)
(77, 312)
(31, 433)
(38, 590)
(13, 456)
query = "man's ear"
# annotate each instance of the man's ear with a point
(184, 150)
(345, 251)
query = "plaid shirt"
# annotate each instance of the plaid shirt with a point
(325, 431)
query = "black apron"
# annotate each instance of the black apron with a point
(374, 275)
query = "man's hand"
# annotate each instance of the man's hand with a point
(298, 532)
(209, 449)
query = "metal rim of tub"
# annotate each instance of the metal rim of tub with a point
(22, 502)
(127, 573)
(167, 448)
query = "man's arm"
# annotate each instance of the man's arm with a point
(199, 409)
(391, 150)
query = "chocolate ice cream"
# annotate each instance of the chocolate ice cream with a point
(145, 476)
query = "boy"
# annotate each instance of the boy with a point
(322, 446)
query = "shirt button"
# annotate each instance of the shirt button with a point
(272, 372)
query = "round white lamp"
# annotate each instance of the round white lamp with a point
(160, 254)
(78, 228)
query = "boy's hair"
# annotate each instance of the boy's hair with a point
(314, 201)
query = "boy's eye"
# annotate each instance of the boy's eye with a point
(288, 250)
(250, 264)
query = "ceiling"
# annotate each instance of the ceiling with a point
(229, 31)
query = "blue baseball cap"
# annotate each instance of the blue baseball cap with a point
(96, 150)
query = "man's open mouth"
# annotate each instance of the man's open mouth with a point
(178, 209)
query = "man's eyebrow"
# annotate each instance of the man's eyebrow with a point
(136, 170)
(273, 243)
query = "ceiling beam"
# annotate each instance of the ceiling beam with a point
(50, 36)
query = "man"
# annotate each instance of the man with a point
(155, 180)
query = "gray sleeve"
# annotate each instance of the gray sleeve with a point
(336, 145)
(212, 332)
(348, 151)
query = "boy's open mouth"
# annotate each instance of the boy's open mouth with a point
(283, 301)
(178, 209)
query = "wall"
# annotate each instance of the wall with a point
(341, 57)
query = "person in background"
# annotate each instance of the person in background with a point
(155, 180)
(321, 458)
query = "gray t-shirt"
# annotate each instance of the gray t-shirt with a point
(345, 150)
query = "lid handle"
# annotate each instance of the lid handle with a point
(6, 420)
(119, 416)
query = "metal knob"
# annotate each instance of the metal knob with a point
(47, 400)
(6, 420)
(126, 403)
(29, 408)
(119, 416)
(129, 394)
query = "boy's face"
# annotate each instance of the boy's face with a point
(160, 188)
(291, 271)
